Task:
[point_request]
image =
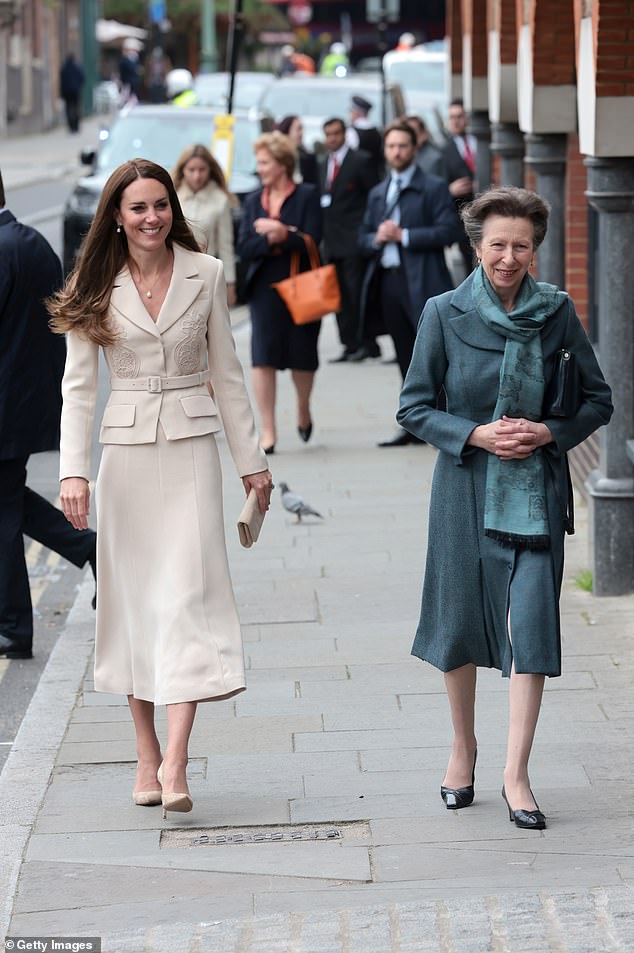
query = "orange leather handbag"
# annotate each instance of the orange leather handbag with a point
(309, 295)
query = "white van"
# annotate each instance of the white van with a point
(423, 75)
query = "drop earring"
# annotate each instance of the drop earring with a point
(118, 229)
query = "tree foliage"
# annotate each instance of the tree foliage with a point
(185, 14)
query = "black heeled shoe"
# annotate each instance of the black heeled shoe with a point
(527, 820)
(455, 798)
(269, 451)
(305, 432)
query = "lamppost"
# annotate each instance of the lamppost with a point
(88, 14)
(382, 12)
(208, 50)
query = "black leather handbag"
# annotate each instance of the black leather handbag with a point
(564, 393)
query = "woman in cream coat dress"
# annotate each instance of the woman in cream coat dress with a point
(206, 203)
(167, 627)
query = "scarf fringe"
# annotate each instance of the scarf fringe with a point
(515, 541)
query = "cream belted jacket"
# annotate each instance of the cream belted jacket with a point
(192, 335)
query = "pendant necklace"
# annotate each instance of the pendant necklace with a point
(148, 293)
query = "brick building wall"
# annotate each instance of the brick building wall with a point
(576, 229)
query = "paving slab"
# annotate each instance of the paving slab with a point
(339, 724)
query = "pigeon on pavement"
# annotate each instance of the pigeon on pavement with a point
(295, 504)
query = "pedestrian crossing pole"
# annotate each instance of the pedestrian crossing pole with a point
(235, 42)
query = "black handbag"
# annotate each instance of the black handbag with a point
(564, 393)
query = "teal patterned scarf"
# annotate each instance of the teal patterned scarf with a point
(515, 512)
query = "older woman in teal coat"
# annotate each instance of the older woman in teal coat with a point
(499, 503)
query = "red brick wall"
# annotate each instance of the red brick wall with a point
(615, 48)
(493, 15)
(508, 33)
(454, 32)
(495, 169)
(576, 229)
(554, 44)
(476, 25)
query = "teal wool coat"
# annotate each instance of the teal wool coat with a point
(470, 579)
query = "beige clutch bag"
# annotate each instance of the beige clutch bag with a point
(250, 521)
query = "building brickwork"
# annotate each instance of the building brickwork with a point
(576, 228)
(613, 28)
(553, 43)
(454, 42)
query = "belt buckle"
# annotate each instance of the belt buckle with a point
(154, 385)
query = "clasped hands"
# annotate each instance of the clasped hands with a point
(275, 232)
(388, 231)
(510, 438)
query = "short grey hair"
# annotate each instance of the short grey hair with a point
(509, 202)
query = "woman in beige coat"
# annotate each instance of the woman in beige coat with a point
(167, 626)
(206, 203)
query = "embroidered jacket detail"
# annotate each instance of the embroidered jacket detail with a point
(123, 360)
(187, 351)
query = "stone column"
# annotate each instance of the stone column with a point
(480, 127)
(611, 487)
(507, 141)
(546, 154)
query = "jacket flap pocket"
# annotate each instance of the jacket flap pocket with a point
(119, 415)
(199, 405)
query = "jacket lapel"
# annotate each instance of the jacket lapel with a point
(184, 288)
(126, 300)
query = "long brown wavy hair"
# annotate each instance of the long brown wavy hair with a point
(82, 305)
(216, 174)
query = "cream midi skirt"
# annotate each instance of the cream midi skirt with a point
(167, 624)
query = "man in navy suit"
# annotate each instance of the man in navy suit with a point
(345, 178)
(31, 367)
(409, 220)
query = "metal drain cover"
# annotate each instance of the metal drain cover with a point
(358, 831)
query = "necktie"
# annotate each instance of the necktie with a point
(334, 170)
(390, 257)
(392, 198)
(469, 157)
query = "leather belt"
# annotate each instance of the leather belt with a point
(154, 385)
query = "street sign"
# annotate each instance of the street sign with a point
(299, 12)
(378, 10)
(158, 11)
(222, 143)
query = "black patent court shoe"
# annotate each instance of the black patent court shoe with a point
(305, 432)
(527, 820)
(455, 798)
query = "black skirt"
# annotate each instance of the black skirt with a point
(276, 341)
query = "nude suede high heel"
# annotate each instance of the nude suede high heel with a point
(179, 803)
(147, 798)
